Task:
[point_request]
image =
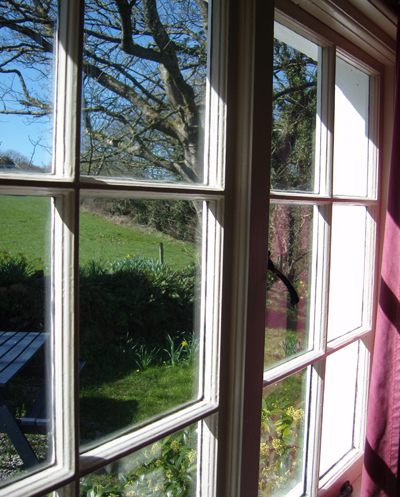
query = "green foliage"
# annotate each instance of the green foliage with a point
(17, 269)
(145, 356)
(282, 436)
(174, 352)
(294, 115)
(166, 469)
(177, 218)
(291, 345)
(143, 299)
(22, 293)
(280, 447)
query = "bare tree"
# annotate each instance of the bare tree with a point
(144, 72)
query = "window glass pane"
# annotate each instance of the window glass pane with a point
(287, 324)
(350, 169)
(144, 97)
(296, 62)
(167, 467)
(138, 290)
(26, 85)
(339, 406)
(26, 437)
(283, 436)
(346, 293)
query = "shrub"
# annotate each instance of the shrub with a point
(280, 448)
(167, 468)
(282, 437)
(22, 293)
(140, 298)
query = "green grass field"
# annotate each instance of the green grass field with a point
(25, 228)
(121, 399)
(114, 395)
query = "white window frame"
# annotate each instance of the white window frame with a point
(241, 102)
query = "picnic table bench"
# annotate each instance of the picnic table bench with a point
(38, 416)
(16, 349)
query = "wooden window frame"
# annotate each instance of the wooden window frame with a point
(241, 99)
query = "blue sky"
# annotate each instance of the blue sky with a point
(16, 134)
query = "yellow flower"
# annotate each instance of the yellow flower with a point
(128, 256)
(276, 443)
(175, 445)
(192, 456)
(184, 343)
(137, 371)
(156, 448)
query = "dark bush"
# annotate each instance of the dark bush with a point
(136, 297)
(22, 294)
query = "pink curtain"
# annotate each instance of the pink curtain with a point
(381, 464)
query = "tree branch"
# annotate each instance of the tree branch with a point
(293, 89)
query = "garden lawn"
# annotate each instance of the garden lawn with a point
(101, 239)
(25, 228)
(108, 404)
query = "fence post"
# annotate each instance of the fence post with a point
(161, 250)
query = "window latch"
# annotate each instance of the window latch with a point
(346, 489)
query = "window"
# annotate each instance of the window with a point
(322, 235)
(161, 114)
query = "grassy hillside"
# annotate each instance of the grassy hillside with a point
(24, 228)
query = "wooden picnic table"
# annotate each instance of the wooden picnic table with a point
(16, 349)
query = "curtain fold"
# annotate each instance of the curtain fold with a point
(381, 463)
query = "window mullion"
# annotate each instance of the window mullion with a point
(63, 330)
(68, 75)
(316, 397)
(247, 155)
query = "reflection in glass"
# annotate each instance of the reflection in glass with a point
(144, 98)
(27, 40)
(351, 144)
(339, 406)
(294, 115)
(139, 337)
(25, 416)
(287, 326)
(283, 436)
(167, 467)
(346, 294)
